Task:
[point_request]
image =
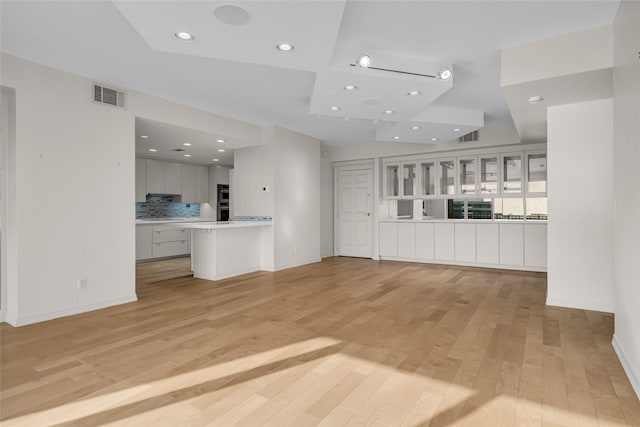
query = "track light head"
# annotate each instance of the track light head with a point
(364, 61)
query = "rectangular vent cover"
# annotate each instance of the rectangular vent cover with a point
(470, 137)
(109, 96)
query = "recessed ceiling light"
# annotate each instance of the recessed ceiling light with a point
(334, 108)
(184, 36)
(284, 47)
(414, 127)
(216, 160)
(364, 61)
(153, 150)
(187, 155)
(456, 130)
(413, 93)
(220, 150)
(350, 87)
(388, 111)
(445, 74)
(144, 136)
(396, 137)
(536, 99)
(434, 139)
(187, 144)
(221, 141)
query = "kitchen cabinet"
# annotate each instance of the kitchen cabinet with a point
(169, 241)
(425, 241)
(487, 244)
(512, 244)
(163, 177)
(444, 242)
(428, 178)
(467, 176)
(409, 181)
(143, 242)
(512, 173)
(188, 184)
(446, 177)
(388, 239)
(202, 184)
(489, 178)
(391, 180)
(465, 242)
(141, 180)
(536, 172)
(535, 245)
(406, 240)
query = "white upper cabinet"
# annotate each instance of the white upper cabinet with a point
(391, 177)
(155, 176)
(173, 178)
(446, 177)
(188, 184)
(409, 179)
(468, 176)
(512, 173)
(489, 174)
(163, 177)
(428, 178)
(202, 184)
(536, 172)
(141, 180)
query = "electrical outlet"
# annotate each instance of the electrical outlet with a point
(82, 283)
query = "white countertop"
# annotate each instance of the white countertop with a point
(223, 224)
(468, 221)
(160, 221)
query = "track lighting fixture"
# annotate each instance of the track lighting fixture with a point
(364, 61)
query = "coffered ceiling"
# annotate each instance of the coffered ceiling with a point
(232, 66)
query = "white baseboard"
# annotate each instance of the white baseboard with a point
(42, 317)
(582, 305)
(298, 264)
(215, 277)
(465, 264)
(626, 365)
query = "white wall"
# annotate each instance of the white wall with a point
(74, 189)
(580, 201)
(326, 205)
(8, 247)
(626, 159)
(297, 198)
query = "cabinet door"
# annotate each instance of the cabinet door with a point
(467, 176)
(445, 241)
(425, 239)
(222, 175)
(489, 177)
(143, 242)
(511, 244)
(155, 176)
(446, 177)
(487, 244)
(202, 184)
(391, 177)
(388, 239)
(465, 242)
(172, 178)
(512, 173)
(188, 183)
(536, 172)
(428, 178)
(409, 181)
(535, 245)
(407, 240)
(141, 180)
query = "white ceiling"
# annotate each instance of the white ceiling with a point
(235, 70)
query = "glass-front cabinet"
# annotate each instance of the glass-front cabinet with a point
(392, 180)
(489, 174)
(409, 180)
(428, 178)
(512, 173)
(468, 176)
(536, 172)
(446, 177)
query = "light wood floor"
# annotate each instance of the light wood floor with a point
(342, 342)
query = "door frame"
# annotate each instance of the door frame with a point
(356, 165)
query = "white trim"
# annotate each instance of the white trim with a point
(354, 164)
(214, 277)
(298, 264)
(449, 151)
(626, 365)
(582, 305)
(466, 264)
(42, 317)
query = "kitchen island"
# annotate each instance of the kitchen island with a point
(226, 249)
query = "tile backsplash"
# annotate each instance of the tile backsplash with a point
(160, 206)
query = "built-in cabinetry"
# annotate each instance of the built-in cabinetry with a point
(191, 182)
(520, 246)
(159, 241)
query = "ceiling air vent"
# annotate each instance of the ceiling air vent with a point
(109, 96)
(470, 137)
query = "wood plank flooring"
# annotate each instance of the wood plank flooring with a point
(342, 342)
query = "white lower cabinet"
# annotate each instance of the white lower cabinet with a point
(512, 244)
(465, 242)
(406, 240)
(444, 242)
(388, 239)
(425, 241)
(535, 245)
(143, 241)
(487, 244)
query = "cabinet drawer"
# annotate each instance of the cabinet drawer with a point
(161, 235)
(164, 249)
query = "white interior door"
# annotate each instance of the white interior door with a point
(355, 213)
